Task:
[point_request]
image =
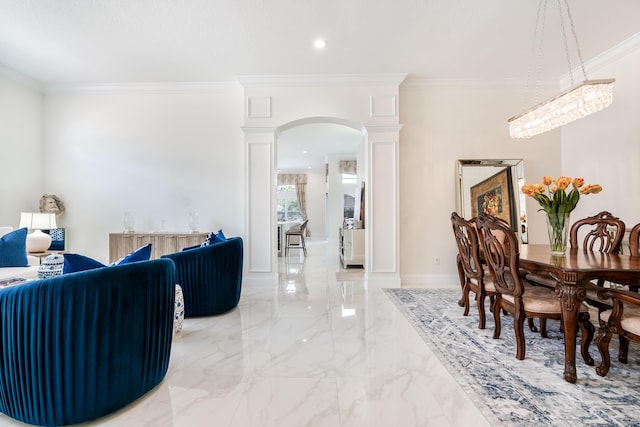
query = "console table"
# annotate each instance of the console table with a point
(351, 247)
(122, 244)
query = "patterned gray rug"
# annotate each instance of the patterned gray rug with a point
(529, 392)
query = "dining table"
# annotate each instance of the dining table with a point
(572, 273)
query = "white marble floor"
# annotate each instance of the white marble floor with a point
(310, 352)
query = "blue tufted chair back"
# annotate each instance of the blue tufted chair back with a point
(210, 276)
(79, 346)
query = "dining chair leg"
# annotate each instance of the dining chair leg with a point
(587, 336)
(496, 320)
(481, 313)
(623, 351)
(304, 245)
(518, 325)
(543, 328)
(461, 277)
(602, 342)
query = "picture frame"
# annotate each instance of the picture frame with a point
(494, 196)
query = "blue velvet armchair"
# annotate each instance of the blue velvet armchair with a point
(210, 276)
(79, 346)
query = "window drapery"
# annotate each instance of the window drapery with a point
(300, 181)
(348, 166)
(291, 178)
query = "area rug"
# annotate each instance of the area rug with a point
(529, 392)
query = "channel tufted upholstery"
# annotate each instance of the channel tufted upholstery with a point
(79, 346)
(210, 276)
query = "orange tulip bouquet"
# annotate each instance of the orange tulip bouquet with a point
(557, 202)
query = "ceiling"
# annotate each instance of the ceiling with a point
(307, 146)
(68, 42)
(127, 41)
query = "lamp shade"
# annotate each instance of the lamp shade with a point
(38, 221)
(38, 241)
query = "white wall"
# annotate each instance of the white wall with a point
(21, 149)
(159, 155)
(604, 147)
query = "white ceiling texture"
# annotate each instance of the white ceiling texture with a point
(68, 42)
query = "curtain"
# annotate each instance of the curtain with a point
(348, 166)
(300, 181)
(301, 194)
(291, 178)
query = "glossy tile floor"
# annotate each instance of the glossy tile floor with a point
(311, 351)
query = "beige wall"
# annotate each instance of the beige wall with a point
(442, 123)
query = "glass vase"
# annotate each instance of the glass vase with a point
(193, 222)
(558, 227)
(129, 223)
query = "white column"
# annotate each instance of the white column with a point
(260, 262)
(382, 205)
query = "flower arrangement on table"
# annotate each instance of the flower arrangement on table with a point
(554, 199)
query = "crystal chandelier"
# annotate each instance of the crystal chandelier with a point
(575, 103)
(580, 101)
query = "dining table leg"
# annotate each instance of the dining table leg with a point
(571, 297)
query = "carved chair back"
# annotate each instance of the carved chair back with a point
(602, 232)
(634, 240)
(466, 236)
(503, 257)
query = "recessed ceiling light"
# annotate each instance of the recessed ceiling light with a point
(320, 43)
(305, 152)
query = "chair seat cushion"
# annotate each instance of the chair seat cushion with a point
(541, 299)
(489, 286)
(630, 318)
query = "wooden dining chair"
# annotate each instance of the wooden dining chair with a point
(473, 276)
(634, 241)
(602, 232)
(296, 232)
(518, 296)
(623, 318)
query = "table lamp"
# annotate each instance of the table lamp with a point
(38, 241)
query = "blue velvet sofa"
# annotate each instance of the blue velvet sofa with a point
(210, 276)
(79, 346)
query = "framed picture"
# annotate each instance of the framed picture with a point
(494, 196)
(58, 239)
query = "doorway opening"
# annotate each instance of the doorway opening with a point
(311, 150)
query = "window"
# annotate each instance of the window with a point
(288, 208)
(349, 179)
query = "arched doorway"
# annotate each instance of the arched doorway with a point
(312, 149)
(274, 103)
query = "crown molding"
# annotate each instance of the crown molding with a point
(321, 80)
(137, 88)
(608, 57)
(19, 78)
(417, 81)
